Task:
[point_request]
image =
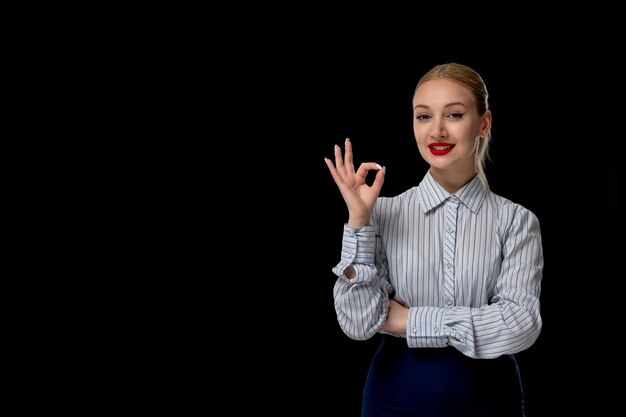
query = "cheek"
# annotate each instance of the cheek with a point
(459, 130)
(420, 139)
(420, 134)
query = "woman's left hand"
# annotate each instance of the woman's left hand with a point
(396, 318)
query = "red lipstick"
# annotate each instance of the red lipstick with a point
(440, 148)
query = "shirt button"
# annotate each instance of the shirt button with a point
(414, 330)
(449, 302)
(449, 265)
(450, 229)
(436, 329)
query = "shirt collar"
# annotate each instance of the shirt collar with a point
(431, 194)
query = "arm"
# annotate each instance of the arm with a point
(510, 323)
(361, 292)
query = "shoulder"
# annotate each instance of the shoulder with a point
(404, 196)
(510, 211)
(386, 205)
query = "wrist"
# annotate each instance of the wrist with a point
(358, 221)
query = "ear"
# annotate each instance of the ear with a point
(485, 124)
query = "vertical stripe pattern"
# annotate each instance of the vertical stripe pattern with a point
(469, 267)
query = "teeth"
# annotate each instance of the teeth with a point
(441, 148)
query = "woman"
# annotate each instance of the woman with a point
(448, 271)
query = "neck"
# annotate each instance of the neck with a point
(452, 182)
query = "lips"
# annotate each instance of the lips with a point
(440, 148)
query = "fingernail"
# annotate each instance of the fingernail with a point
(378, 166)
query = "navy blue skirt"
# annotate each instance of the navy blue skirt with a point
(440, 382)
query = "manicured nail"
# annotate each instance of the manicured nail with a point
(378, 166)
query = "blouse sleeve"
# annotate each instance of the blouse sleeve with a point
(362, 302)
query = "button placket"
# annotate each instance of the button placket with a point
(449, 249)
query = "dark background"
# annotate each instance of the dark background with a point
(271, 230)
(551, 152)
(235, 222)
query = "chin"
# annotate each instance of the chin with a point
(439, 164)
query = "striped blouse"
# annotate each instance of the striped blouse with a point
(468, 266)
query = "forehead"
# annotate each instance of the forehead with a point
(435, 93)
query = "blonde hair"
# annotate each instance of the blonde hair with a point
(471, 80)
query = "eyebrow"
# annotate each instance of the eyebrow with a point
(454, 103)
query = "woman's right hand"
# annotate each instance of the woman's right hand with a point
(359, 197)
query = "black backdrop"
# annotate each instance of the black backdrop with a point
(547, 154)
(246, 223)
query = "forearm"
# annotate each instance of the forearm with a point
(486, 332)
(361, 292)
(361, 305)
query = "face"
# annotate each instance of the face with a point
(447, 127)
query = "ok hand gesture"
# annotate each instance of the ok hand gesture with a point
(358, 195)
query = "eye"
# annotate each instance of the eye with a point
(455, 115)
(422, 117)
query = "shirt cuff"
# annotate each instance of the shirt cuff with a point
(425, 327)
(359, 245)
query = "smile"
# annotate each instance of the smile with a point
(440, 148)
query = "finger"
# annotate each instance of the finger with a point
(349, 162)
(366, 167)
(377, 185)
(339, 161)
(333, 171)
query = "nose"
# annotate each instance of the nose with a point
(438, 129)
